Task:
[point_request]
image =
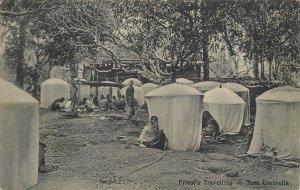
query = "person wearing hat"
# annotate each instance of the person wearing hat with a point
(151, 136)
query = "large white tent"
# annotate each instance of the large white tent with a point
(184, 81)
(136, 82)
(243, 92)
(205, 86)
(19, 138)
(138, 94)
(179, 111)
(148, 87)
(277, 122)
(227, 108)
(52, 89)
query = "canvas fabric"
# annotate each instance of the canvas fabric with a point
(148, 87)
(179, 111)
(277, 123)
(19, 138)
(52, 89)
(227, 108)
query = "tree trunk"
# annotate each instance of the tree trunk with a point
(262, 68)
(270, 68)
(255, 66)
(20, 54)
(205, 57)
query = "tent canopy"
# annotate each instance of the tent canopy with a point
(19, 138)
(243, 92)
(136, 82)
(205, 86)
(10, 94)
(148, 87)
(281, 94)
(173, 100)
(54, 81)
(174, 90)
(138, 94)
(52, 89)
(226, 108)
(222, 96)
(277, 123)
(184, 81)
(235, 87)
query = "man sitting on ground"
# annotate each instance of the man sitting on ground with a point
(57, 104)
(103, 104)
(151, 136)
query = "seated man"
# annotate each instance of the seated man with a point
(57, 104)
(103, 104)
(211, 127)
(151, 136)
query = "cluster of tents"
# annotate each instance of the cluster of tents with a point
(179, 107)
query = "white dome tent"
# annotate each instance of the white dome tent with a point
(178, 108)
(277, 123)
(52, 89)
(19, 138)
(138, 94)
(148, 87)
(136, 82)
(243, 92)
(205, 86)
(184, 81)
(226, 108)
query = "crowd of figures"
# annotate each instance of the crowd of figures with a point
(92, 103)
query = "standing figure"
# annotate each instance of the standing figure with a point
(74, 97)
(130, 100)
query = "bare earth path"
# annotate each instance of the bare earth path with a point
(93, 152)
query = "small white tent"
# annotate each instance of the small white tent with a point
(184, 81)
(205, 86)
(226, 108)
(136, 82)
(148, 87)
(243, 92)
(19, 138)
(277, 122)
(138, 94)
(52, 89)
(178, 108)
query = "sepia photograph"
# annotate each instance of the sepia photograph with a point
(149, 94)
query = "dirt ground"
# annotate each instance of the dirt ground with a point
(95, 151)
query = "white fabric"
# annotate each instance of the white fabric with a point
(107, 90)
(52, 89)
(226, 108)
(277, 122)
(206, 85)
(243, 92)
(184, 81)
(83, 91)
(19, 138)
(148, 87)
(179, 111)
(138, 94)
(136, 82)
